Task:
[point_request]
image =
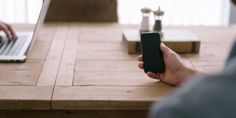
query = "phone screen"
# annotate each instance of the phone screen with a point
(152, 54)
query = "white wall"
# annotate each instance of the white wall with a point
(177, 12)
(20, 11)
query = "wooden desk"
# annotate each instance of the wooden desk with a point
(76, 67)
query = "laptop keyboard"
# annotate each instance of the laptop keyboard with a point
(12, 47)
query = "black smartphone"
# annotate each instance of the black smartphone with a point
(152, 55)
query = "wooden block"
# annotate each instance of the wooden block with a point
(180, 41)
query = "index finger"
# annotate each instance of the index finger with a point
(11, 31)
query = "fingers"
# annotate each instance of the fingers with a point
(140, 58)
(7, 29)
(162, 76)
(3, 27)
(153, 75)
(140, 65)
(12, 32)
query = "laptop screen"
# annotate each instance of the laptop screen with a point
(26, 18)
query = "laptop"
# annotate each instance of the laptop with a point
(18, 49)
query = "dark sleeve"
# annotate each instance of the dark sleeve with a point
(202, 97)
(232, 54)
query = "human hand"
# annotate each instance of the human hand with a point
(176, 72)
(8, 30)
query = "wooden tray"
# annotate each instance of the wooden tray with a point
(181, 41)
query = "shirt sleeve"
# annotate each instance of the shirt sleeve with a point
(203, 97)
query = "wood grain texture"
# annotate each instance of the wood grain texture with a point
(102, 78)
(25, 97)
(66, 71)
(110, 72)
(101, 41)
(108, 97)
(21, 74)
(90, 70)
(42, 44)
(52, 63)
(74, 114)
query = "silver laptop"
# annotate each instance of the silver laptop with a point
(17, 50)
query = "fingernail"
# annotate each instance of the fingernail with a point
(149, 73)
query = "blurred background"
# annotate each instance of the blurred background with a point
(20, 11)
(177, 12)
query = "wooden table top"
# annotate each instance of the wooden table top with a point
(84, 66)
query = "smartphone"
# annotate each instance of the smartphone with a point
(152, 55)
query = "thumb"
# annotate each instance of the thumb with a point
(165, 49)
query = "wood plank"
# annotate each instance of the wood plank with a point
(107, 97)
(211, 52)
(13, 74)
(43, 43)
(100, 32)
(100, 54)
(111, 72)
(111, 65)
(100, 26)
(214, 34)
(108, 65)
(25, 97)
(102, 78)
(92, 45)
(74, 114)
(52, 63)
(210, 67)
(105, 40)
(66, 71)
